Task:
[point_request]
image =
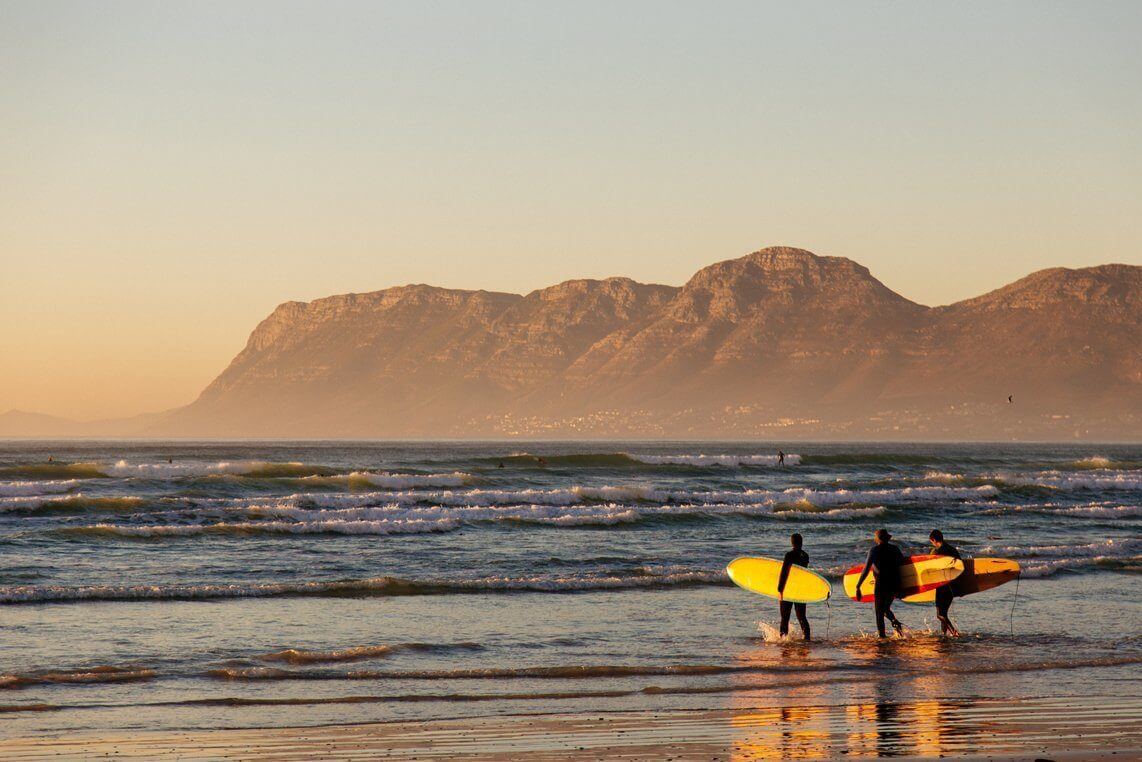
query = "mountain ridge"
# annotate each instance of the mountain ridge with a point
(778, 343)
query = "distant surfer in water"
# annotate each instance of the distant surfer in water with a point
(780, 458)
(795, 557)
(884, 560)
(944, 594)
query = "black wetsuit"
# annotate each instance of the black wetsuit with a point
(795, 557)
(945, 594)
(887, 559)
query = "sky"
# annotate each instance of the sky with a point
(169, 172)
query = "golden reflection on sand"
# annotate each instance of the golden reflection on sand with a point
(826, 722)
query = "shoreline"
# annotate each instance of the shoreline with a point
(1063, 727)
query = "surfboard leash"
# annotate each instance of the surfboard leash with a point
(1014, 598)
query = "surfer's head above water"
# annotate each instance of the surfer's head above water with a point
(882, 535)
(796, 539)
(937, 537)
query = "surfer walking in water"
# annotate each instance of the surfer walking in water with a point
(884, 561)
(944, 594)
(795, 557)
(780, 458)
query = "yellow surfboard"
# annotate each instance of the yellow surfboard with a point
(759, 575)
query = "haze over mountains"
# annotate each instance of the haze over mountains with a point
(778, 344)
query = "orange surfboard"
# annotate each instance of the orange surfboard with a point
(918, 575)
(979, 574)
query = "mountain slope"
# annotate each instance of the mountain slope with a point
(780, 325)
(407, 360)
(1055, 338)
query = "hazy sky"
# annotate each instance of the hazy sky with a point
(170, 171)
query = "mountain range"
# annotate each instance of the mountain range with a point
(778, 344)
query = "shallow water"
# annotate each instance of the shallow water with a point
(204, 585)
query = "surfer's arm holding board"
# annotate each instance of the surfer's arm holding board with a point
(869, 565)
(781, 578)
(795, 556)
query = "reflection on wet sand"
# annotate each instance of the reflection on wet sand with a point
(890, 729)
(863, 714)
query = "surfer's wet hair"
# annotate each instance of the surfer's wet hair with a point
(936, 535)
(796, 539)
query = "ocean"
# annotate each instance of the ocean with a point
(185, 586)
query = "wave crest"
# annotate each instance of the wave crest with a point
(34, 488)
(729, 461)
(377, 586)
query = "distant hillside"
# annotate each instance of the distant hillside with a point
(20, 423)
(780, 343)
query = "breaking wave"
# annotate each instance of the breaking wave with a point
(362, 653)
(813, 513)
(1100, 463)
(383, 527)
(634, 460)
(29, 489)
(716, 460)
(558, 672)
(373, 587)
(255, 469)
(577, 460)
(365, 479)
(86, 675)
(1107, 510)
(41, 471)
(1046, 560)
(1057, 480)
(78, 503)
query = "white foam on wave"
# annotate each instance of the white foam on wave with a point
(353, 527)
(1112, 547)
(1038, 568)
(1105, 509)
(831, 514)
(898, 496)
(1058, 480)
(33, 488)
(391, 481)
(294, 471)
(125, 469)
(943, 477)
(791, 459)
(1113, 512)
(452, 516)
(68, 501)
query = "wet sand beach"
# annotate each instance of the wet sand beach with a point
(1056, 728)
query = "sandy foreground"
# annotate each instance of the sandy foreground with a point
(1055, 728)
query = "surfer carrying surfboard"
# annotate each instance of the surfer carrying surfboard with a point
(795, 557)
(884, 561)
(945, 593)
